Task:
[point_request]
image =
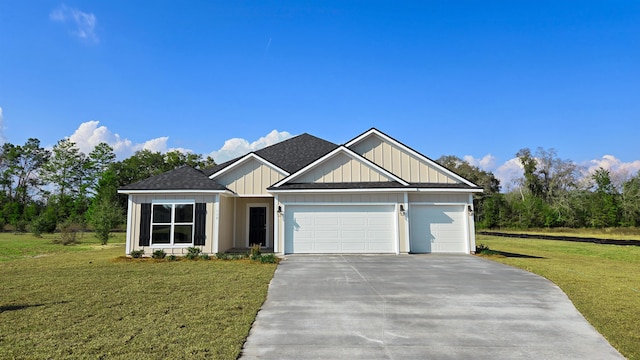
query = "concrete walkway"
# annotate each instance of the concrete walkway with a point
(417, 307)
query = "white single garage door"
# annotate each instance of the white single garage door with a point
(437, 228)
(338, 229)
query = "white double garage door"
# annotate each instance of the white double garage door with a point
(343, 229)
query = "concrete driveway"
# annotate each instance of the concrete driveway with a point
(417, 307)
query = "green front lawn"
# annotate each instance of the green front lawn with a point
(618, 233)
(603, 281)
(18, 246)
(85, 301)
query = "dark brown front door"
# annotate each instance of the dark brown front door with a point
(258, 226)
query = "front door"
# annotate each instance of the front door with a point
(258, 225)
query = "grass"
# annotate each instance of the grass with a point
(17, 246)
(86, 301)
(602, 281)
(618, 233)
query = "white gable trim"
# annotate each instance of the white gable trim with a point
(351, 154)
(389, 139)
(246, 158)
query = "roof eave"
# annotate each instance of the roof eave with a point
(394, 189)
(176, 191)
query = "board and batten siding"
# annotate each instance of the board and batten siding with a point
(342, 168)
(225, 223)
(400, 162)
(250, 178)
(137, 200)
(242, 221)
(346, 199)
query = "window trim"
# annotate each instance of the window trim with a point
(173, 223)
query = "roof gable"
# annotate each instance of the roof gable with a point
(402, 160)
(183, 178)
(341, 166)
(250, 176)
(289, 155)
(240, 162)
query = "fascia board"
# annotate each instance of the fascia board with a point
(408, 190)
(135, 192)
(246, 158)
(331, 154)
(444, 190)
(325, 191)
(387, 138)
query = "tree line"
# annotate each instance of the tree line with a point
(552, 193)
(43, 190)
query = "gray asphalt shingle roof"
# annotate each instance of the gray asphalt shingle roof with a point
(289, 155)
(183, 178)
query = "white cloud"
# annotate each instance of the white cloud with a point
(620, 171)
(613, 164)
(85, 23)
(2, 138)
(508, 173)
(89, 134)
(235, 147)
(487, 163)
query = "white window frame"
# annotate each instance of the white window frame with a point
(173, 223)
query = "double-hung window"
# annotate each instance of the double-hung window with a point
(172, 223)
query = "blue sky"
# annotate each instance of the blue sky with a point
(480, 79)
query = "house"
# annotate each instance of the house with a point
(307, 195)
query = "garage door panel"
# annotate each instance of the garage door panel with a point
(324, 221)
(437, 228)
(339, 229)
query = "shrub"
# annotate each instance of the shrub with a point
(269, 259)
(136, 254)
(193, 253)
(68, 232)
(104, 215)
(484, 250)
(172, 258)
(222, 256)
(255, 252)
(159, 254)
(20, 226)
(44, 223)
(205, 257)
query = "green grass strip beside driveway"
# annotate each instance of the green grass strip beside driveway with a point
(602, 281)
(93, 304)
